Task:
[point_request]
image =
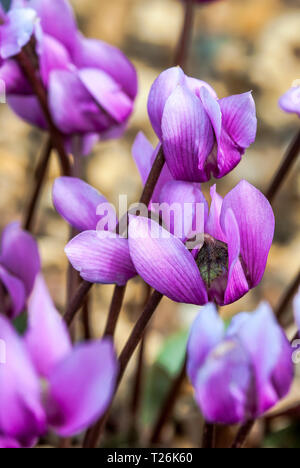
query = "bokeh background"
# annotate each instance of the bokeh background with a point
(237, 45)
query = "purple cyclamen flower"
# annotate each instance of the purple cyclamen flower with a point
(290, 101)
(91, 85)
(98, 253)
(240, 373)
(202, 136)
(297, 309)
(45, 382)
(19, 265)
(238, 234)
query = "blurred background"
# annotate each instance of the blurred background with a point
(237, 45)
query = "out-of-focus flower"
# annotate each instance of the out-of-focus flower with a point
(238, 233)
(19, 265)
(201, 135)
(44, 381)
(290, 101)
(297, 309)
(240, 373)
(91, 85)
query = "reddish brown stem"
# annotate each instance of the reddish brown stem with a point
(186, 34)
(114, 311)
(287, 297)
(208, 438)
(242, 435)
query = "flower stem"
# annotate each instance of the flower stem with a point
(94, 434)
(39, 180)
(185, 35)
(23, 58)
(114, 311)
(208, 438)
(288, 296)
(77, 301)
(242, 435)
(287, 163)
(168, 405)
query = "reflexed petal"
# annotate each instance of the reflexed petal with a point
(107, 93)
(20, 255)
(52, 56)
(161, 90)
(81, 387)
(21, 413)
(77, 202)
(190, 208)
(47, 337)
(188, 136)
(61, 26)
(213, 223)
(290, 101)
(196, 85)
(237, 285)
(29, 109)
(101, 257)
(164, 262)
(92, 53)
(223, 385)
(263, 339)
(16, 32)
(142, 152)
(16, 291)
(256, 222)
(207, 331)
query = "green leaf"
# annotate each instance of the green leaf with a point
(20, 323)
(6, 4)
(172, 354)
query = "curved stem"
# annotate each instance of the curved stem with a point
(242, 435)
(208, 438)
(40, 178)
(94, 434)
(286, 165)
(186, 33)
(288, 296)
(114, 311)
(77, 301)
(23, 58)
(168, 405)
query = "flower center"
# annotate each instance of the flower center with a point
(212, 260)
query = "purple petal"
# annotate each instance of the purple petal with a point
(92, 53)
(290, 101)
(107, 93)
(14, 79)
(237, 285)
(28, 108)
(81, 387)
(61, 26)
(16, 291)
(213, 222)
(196, 85)
(190, 208)
(21, 413)
(73, 108)
(101, 257)
(47, 337)
(16, 32)
(164, 262)
(223, 384)
(187, 136)
(297, 309)
(264, 340)
(20, 255)
(256, 222)
(160, 91)
(77, 202)
(207, 331)
(8, 443)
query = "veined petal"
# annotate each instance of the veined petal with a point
(21, 413)
(237, 285)
(47, 338)
(92, 53)
(161, 90)
(77, 202)
(256, 222)
(207, 331)
(188, 137)
(101, 257)
(20, 255)
(81, 387)
(213, 222)
(223, 384)
(16, 291)
(290, 101)
(164, 262)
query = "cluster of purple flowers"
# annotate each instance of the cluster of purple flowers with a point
(45, 381)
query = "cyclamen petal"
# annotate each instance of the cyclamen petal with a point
(290, 101)
(16, 291)
(297, 309)
(16, 31)
(81, 387)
